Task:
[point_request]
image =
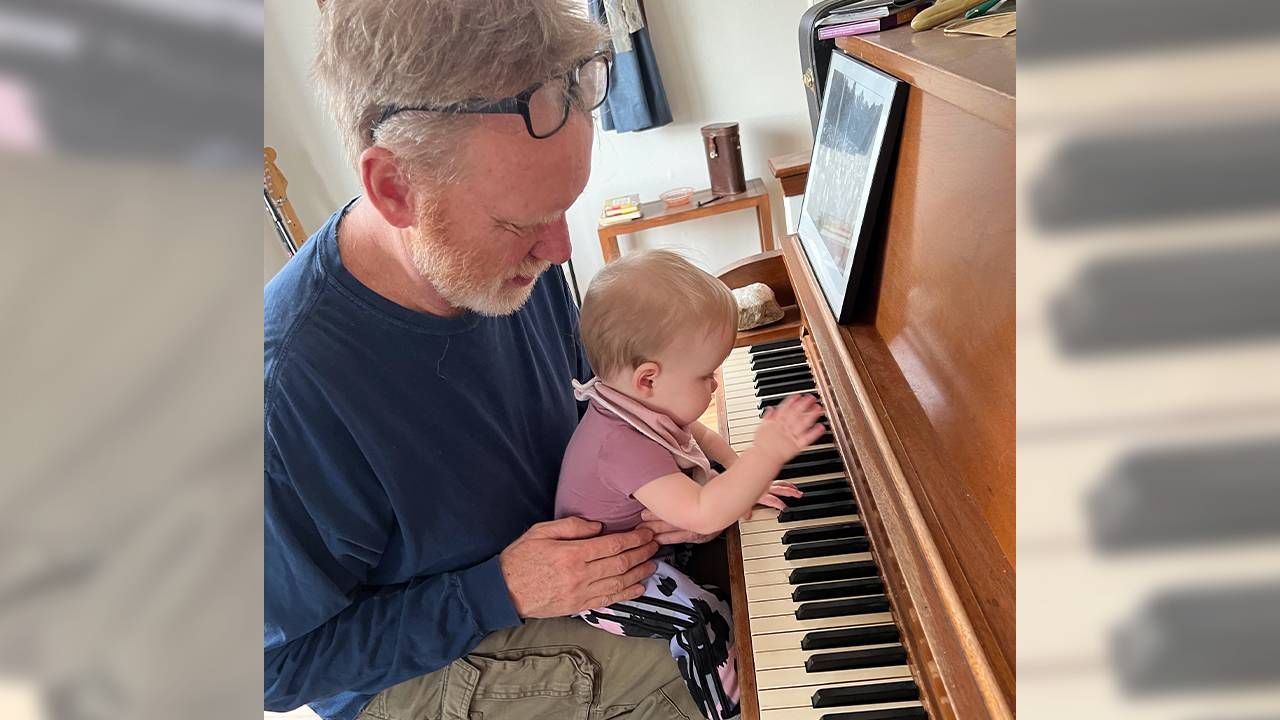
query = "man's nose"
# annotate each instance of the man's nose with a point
(552, 242)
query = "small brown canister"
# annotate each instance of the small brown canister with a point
(724, 158)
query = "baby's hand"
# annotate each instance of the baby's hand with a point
(789, 427)
(773, 496)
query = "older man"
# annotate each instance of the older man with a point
(418, 358)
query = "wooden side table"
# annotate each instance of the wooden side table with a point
(656, 214)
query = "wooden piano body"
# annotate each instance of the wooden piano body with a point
(920, 388)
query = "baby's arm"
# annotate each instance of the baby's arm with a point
(708, 509)
(714, 445)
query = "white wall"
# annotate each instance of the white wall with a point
(721, 60)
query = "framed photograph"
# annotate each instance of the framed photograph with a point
(855, 145)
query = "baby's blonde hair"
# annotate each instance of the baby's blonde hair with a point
(638, 305)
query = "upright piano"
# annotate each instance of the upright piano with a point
(888, 590)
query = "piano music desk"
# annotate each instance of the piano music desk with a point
(656, 214)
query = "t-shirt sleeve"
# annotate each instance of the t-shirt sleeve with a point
(629, 461)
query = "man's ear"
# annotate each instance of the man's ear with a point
(645, 377)
(386, 187)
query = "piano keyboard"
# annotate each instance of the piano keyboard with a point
(823, 640)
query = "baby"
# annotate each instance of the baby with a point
(655, 329)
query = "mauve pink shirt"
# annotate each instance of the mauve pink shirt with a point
(607, 460)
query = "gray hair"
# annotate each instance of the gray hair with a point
(374, 53)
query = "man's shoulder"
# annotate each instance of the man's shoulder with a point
(289, 303)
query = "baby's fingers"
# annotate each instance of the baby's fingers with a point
(769, 500)
(782, 490)
(812, 434)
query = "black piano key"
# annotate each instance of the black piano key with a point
(850, 637)
(783, 375)
(824, 532)
(785, 384)
(792, 387)
(907, 713)
(828, 484)
(854, 659)
(772, 401)
(779, 349)
(796, 367)
(820, 496)
(812, 453)
(1161, 496)
(1213, 637)
(838, 589)
(827, 548)
(775, 345)
(867, 694)
(777, 361)
(804, 468)
(821, 510)
(842, 607)
(776, 351)
(834, 571)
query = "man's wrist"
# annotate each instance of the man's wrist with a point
(484, 590)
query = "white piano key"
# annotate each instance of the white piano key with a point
(773, 591)
(770, 608)
(801, 697)
(781, 563)
(771, 577)
(797, 677)
(809, 713)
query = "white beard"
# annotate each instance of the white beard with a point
(458, 275)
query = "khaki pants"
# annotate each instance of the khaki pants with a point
(555, 669)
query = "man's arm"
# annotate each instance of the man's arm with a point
(322, 635)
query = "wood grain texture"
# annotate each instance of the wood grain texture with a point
(962, 676)
(939, 289)
(976, 74)
(655, 213)
(791, 171)
(768, 268)
(902, 606)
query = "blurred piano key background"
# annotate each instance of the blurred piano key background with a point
(1149, 230)
(1149, 359)
(130, 323)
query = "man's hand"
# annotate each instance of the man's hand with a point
(788, 427)
(565, 566)
(664, 533)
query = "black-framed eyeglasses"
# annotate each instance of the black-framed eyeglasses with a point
(545, 106)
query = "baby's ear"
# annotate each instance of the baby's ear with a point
(644, 377)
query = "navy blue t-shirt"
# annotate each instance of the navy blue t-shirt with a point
(403, 452)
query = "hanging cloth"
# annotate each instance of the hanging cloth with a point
(636, 100)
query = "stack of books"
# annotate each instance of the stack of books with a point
(868, 16)
(620, 209)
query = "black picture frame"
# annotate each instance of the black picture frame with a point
(853, 150)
